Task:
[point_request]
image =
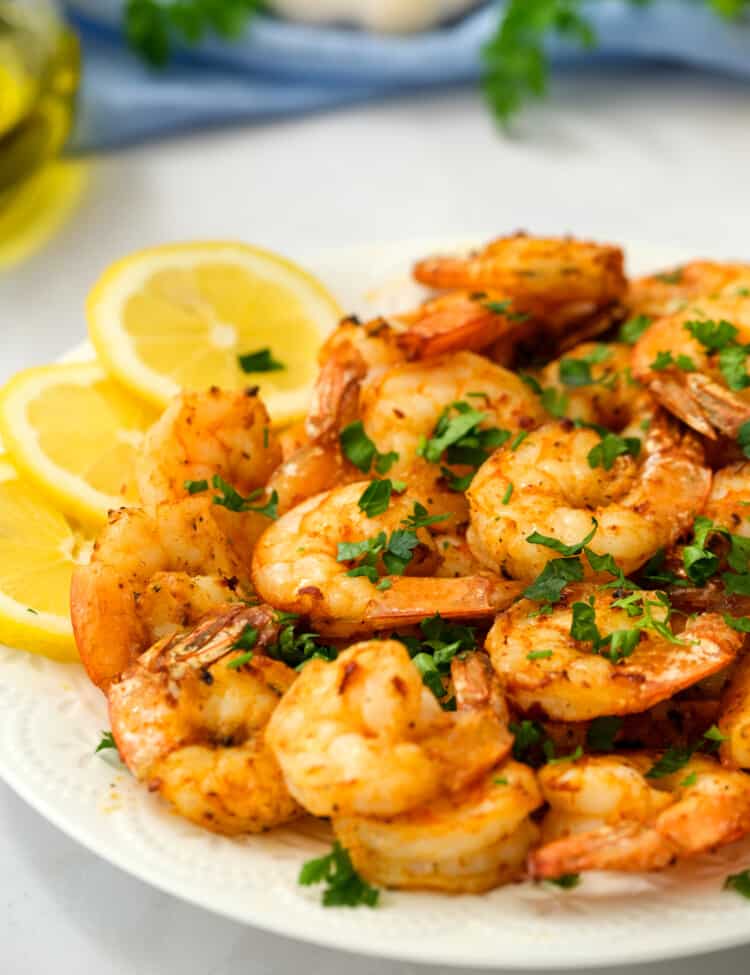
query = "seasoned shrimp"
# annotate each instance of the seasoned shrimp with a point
(465, 843)
(298, 566)
(702, 382)
(559, 281)
(728, 504)
(468, 841)
(606, 815)
(203, 434)
(548, 485)
(402, 406)
(734, 721)
(666, 292)
(189, 719)
(362, 735)
(593, 383)
(542, 666)
(149, 575)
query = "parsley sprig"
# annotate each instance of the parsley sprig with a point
(460, 439)
(361, 451)
(720, 339)
(343, 885)
(516, 67)
(152, 26)
(297, 648)
(228, 497)
(433, 651)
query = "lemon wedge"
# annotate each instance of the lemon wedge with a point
(38, 549)
(181, 316)
(74, 433)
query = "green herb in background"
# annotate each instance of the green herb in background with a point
(515, 64)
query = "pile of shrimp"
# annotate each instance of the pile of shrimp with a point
(484, 609)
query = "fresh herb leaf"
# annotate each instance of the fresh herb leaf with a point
(554, 577)
(247, 639)
(241, 660)
(260, 361)
(670, 277)
(107, 741)
(577, 372)
(665, 360)
(536, 538)
(152, 25)
(555, 402)
(602, 733)
(429, 673)
(567, 881)
(743, 438)
(195, 487)
(362, 452)
(733, 367)
(376, 498)
(689, 780)
(297, 649)
(233, 500)
(421, 518)
(508, 493)
(670, 762)
(739, 623)
(539, 654)
(343, 885)
(610, 447)
(633, 328)
(518, 439)
(739, 882)
(713, 336)
(526, 735)
(573, 757)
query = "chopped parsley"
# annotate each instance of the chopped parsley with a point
(376, 497)
(665, 360)
(554, 577)
(343, 885)
(360, 450)
(247, 639)
(602, 733)
(526, 734)
(519, 439)
(739, 623)
(689, 780)
(739, 883)
(458, 438)
(107, 741)
(567, 881)
(196, 487)
(701, 563)
(536, 538)
(633, 328)
(539, 654)
(505, 308)
(575, 373)
(296, 649)
(552, 759)
(721, 337)
(670, 277)
(260, 361)
(675, 759)
(232, 500)
(433, 651)
(508, 493)
(610, 447)
(241, 660)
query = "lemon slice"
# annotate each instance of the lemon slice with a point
(74, 432)
(179, 316)
(38, 549)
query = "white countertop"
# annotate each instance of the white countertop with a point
(664, 157)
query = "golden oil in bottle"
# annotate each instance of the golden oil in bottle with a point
(39, 75)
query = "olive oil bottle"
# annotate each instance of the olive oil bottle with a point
(39, 75)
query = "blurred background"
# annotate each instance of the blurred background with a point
(306, 126)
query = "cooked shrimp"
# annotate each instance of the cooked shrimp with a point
(666, 292)
(728, 504)
(558, 280)
(606, 815)
(734, 720)
(189, 719)
(543, 667)
(151, 574)
(469, 842)
(296, 568)
(548, 485)
(599, 388)
(203, 434)
(401, 407)
(688, 377)
(364, 736)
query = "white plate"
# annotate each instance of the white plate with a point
(51, 719)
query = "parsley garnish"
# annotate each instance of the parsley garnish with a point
(260, 361)
(151, 25)
(297, 649)
(518, 439)
(689, 780)
(343, 885)
(508, 493)
(665, 360)
(526, 735)
(458, 438)
(377, 496)
(536, 538)
(610, 447)
(549, 751)
(577, 372)
(506, 308)
(739, 623)
(233, 500)
(196, 487)
(675, 759)
(602, 733)
(241, 660)
(670, 277)
(433, 652)
(539, 654)
(721, 337)
(633, 328)
(616, 646)
(567, 881)
(362, 452)
(554, 577)
(107, 741)
(739, 882)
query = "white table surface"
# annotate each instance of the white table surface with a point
(664, 157)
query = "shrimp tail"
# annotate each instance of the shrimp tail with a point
(629, 846)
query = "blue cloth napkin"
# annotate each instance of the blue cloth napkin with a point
(279, 68)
